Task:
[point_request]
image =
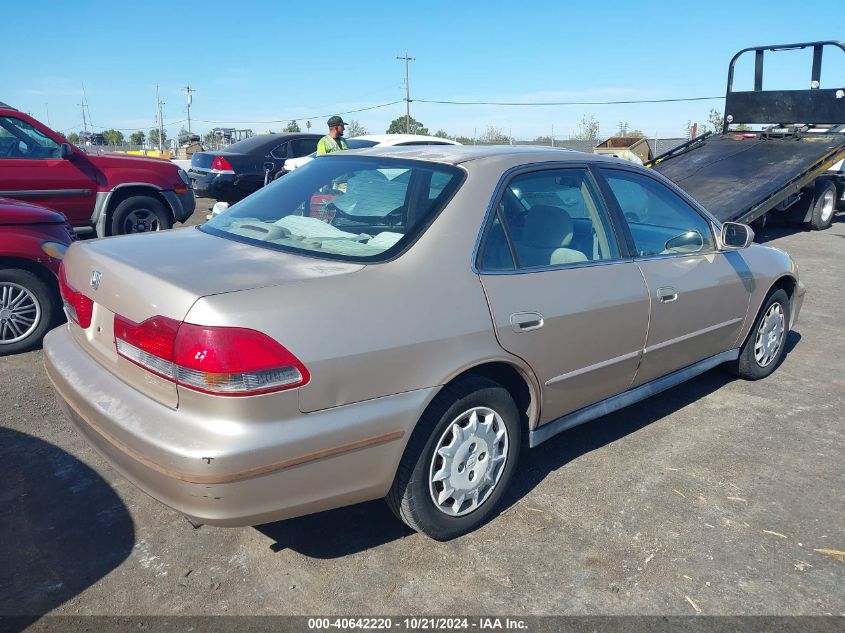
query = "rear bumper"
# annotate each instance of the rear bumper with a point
(224, 187)
(234, 472)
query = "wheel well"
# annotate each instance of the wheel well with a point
(511, 379)
(788, 285)
(122, 193)
(42, 272)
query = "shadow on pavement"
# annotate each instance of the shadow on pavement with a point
(62, 527)
(778, 228)
(337, 533)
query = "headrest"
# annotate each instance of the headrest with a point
(547, 227)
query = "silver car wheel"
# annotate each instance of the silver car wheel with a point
(141, 221)
(468, 462)
(828, 204)
(769, 335)
(20, 312)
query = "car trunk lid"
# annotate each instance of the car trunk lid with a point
(163, 274)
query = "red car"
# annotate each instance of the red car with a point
(110, 194)
(33, 241)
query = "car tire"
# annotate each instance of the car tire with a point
(140, 214)
(763, 348)
(28, 309)
(471, 432)
(824, 205)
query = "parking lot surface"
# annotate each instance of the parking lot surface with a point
(716, 497)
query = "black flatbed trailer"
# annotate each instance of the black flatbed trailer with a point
(741, 175)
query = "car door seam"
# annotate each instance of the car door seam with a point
(647, 326)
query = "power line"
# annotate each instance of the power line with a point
(305, 118)
(564, 103)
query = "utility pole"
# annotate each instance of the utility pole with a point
(47, 106)
(190, 92)
(84, 120)
(407, 92)
(160, 121)
(553, 134)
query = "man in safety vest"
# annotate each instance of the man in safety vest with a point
(333, 141)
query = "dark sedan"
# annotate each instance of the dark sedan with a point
(241, 169)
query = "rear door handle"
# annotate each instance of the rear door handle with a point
(526, 321)
(667, 294)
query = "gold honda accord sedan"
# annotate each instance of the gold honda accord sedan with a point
(402, 323)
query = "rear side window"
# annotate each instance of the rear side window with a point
(549, 218)
(349, 208)
(661, 222)
(280, 152)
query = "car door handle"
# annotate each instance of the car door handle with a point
(667, 294)
(526, 321)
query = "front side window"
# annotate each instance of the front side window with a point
(346, 207)
(552, 217)
(19, 139)
(661, 222)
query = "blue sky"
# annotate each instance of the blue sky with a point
(253, 62)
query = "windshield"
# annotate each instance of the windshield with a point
(353, 208)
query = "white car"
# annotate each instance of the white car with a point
(371, 140)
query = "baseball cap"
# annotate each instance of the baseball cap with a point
(336, 120)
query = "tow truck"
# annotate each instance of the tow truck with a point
(779, 151)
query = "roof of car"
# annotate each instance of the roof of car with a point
(405, 138)
(260, 140)
(457, 154)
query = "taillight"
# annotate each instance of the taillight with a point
(148, 344)
(79, 307)
(220, 164)
(224, 361)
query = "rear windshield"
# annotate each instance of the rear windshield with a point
(351, 208)
(360, 143)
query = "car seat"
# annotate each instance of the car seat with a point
(546, 237)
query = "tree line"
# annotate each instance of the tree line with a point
(588, 130)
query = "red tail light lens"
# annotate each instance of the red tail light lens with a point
(79, 307)
(220, 164)
(217, 360)
(148, 344)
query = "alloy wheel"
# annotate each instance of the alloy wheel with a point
(20, 312)
(141, 221)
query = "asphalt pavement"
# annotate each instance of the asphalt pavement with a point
(716, 497)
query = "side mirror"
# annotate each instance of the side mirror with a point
(736, 236)
(65, 151)
(688, 242)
